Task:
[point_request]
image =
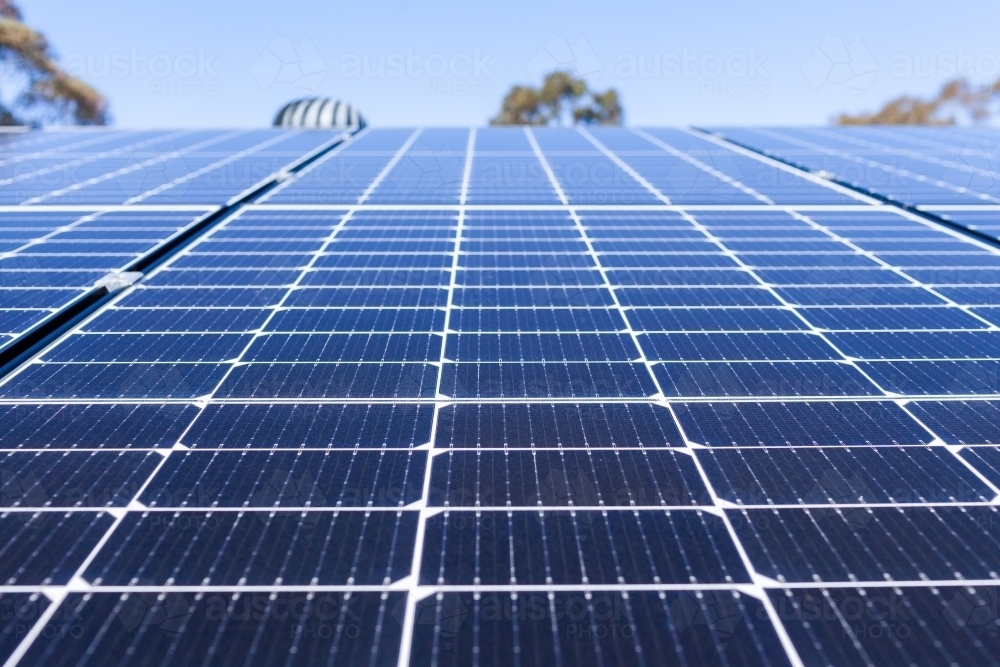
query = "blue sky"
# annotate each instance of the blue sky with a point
(221, 63)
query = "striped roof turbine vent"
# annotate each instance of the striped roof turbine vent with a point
(319, 112)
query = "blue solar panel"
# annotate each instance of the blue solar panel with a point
(193, 167)
(51, 258)
(912, 166)
(499, 396)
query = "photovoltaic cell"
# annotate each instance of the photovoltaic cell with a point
(842, 475)
(224, 548)
(557, 547)
(556, 425)
(73, 479)
(93, 426)
(947, 623)
(321, 426)
(799, 423)
(566, 478)
(715, 627)
(298, 479)
(47, 547)
(180, 627)
(893, 544)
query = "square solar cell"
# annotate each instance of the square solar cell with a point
(793, 423)
(859, 296)
(20, 612)
(202, 298)
(938, 377)
(330, 381)
(763, 379)
(302, 479)
(362, 320)
(842, 475)
(367, 297)
(714, 319)
(115, 381)
(983, 460)
(550, 320)
(566, 478)
(528, 347)
(73, 479)
(961, 422)
(302, 348)
(583, 547)
(93, 426)
(177, 628)
(870, 544)
(470, 425)
(696, 296)
(919, 345)
(256, 548)
(892, 317)
(47, 547)
(177, 320)
(714, 627)
(313, 426)
(736, 347)
(953, 624)
(521, 380)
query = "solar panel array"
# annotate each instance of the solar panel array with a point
(497, 397)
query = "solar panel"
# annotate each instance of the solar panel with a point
(173, 168)
(912, 165)
(49, 258)
(502, 396)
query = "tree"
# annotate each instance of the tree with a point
(49, 93)
(957, 95)
(560, 98)
(521, 106)
(603, 110)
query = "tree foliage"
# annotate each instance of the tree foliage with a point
(48, 92)
(559, 99)
(956, 96)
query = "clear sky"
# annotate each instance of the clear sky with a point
(216, 63)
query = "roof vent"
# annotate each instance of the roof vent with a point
(319, 113)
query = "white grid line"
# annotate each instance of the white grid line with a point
(414, 592)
